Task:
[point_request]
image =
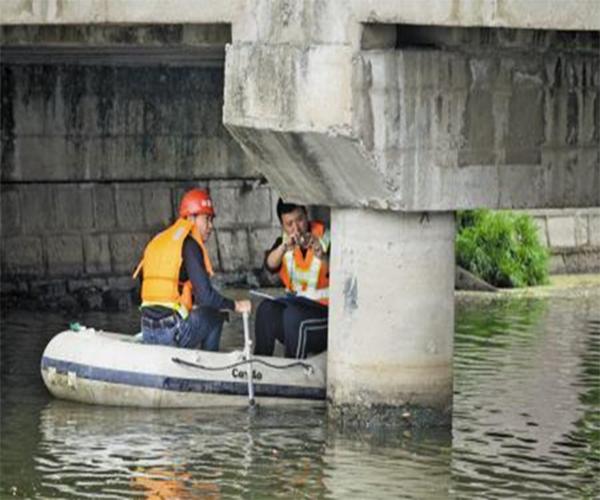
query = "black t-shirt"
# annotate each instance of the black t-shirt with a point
(278, 242)
(194, 269)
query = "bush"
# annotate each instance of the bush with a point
(502, 248)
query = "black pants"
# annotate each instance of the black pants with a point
(300, 324)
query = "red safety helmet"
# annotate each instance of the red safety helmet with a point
(194, 202)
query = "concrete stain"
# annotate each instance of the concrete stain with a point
(73, 90)
(38, 82)
(129, 109)
(7, 121)
(572, 119)
(103, 87)
(376, 417)
(367, 126)
(350, 294)
(596, 118)
(306, 159)
(27, 7)
(455, 11)
(558, 72)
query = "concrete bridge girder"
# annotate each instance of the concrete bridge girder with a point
(440, 129)
(253, 16)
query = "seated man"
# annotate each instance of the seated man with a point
(300, 256)
(176, 273)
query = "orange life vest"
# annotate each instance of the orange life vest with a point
(162, 264)
(307, 275)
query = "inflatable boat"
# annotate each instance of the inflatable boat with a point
(91, 366)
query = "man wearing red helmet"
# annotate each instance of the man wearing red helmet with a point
(176, 273)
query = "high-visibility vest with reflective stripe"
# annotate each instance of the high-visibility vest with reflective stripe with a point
(307, 275)
(162, 264)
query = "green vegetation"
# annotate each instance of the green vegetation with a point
(502, 248)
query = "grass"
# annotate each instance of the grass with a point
(502, 248)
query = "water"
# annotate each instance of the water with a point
(526, 425)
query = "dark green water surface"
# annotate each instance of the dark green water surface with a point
(526, 425)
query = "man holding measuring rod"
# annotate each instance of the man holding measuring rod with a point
(176, 275)
(301, 258)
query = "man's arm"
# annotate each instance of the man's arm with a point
(204, 292)
(274, 256)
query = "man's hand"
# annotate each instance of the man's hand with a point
(243, 306)
(289, 242)
(316, 246)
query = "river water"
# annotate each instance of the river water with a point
(526, 424)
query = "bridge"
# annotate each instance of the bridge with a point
(394, 114)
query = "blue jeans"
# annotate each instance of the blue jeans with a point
(200, 330)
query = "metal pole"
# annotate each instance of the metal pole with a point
(248, 357)
(262, 295)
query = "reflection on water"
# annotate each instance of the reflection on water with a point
(526, 425)
(518, 401)
(229, 453)
(191, 452)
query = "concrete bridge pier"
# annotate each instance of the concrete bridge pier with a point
(391, 318)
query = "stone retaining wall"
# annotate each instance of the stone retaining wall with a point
(88, 229)
(69, 237)
(573, 236)
(95, 159)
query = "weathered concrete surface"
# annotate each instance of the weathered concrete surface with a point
(97, 151)
(73, 122)
(461, 129)
(117, 11)
(551, 14)
(294, 163)
(498, 116)
(478, 119)
(391, 316)
(97, 36)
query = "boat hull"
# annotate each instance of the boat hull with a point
(111, 369)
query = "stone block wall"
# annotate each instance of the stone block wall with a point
(86, 231)
(573, 237)
(95, 159)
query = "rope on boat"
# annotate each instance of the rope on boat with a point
(180, 361)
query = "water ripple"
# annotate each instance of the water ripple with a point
(526, 425)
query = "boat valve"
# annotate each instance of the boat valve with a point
(72, 380)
